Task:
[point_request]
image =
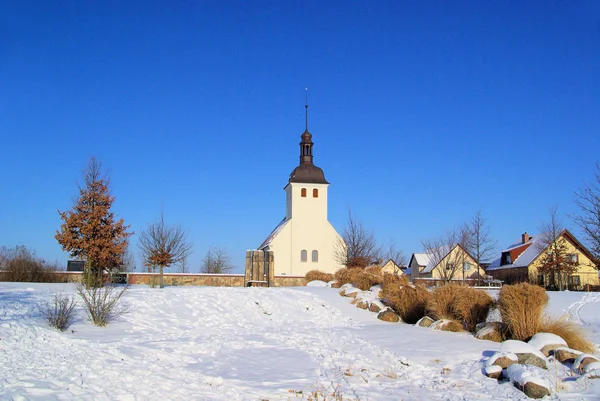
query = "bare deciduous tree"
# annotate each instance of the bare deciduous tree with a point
(183, 267)
(556, 263)
(163, 245)
(216, 261)
(442, 255)
(587, 198)
(358, 247)
(478, 241)
(395, 254)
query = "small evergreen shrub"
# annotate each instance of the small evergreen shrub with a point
(61, 312)
(318, 275)
(521, 306)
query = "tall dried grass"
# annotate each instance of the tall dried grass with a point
(345, 276)
(365, 280)
(318, 275)
(521, 306)
(406, 300)
(572, 333)
(374, 269)
(467, 305)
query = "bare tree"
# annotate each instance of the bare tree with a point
(556, 263)
(163, 245)
(129, 264)
(216, 261)
(478, 241)
(358, 247)
(587, 199)
(395, 254)
(443, 256)
(183, 267)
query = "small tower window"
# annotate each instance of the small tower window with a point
(303, 255)
(315, 193)
(303, 192)
(315, 256)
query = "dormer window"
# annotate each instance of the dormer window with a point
(506, 259)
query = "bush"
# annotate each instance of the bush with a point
(570, 332)
(61, 312)
(318, 275)
(102, 304)
(465, 304)
(374, 269)
(365, 281)
(345, 276)
(19, 264)
(407, 300)
(492, 331)
(521, 307)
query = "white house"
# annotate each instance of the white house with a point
(304, 240)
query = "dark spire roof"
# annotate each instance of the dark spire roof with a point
(307, 172)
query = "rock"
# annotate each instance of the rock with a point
(491, 331)
(425, 321)
(566, 355)
(447, 325)
(546, 343)
(493, 371)
(354, 301)
(534, 390)
(531, 380)
(526, 353)
(388, 315)
(376, 306)
(362, 304)
(350, 292)
(582, 361)
(502, 359)
(335, 284)
(593, 374)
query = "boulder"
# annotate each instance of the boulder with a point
(566, 355)
(362, 304)
(351, 292)
(547, 343)
(376, 306)
(388, 315)
(425, 321)
(582, 361)
(493, 371)
(526, 354)
(529, 380)
(502, 359)
(491, 331)
(335, 284)
(447, 325)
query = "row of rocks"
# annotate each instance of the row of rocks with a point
(370, 300)
(526, 364)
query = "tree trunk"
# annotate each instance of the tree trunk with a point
(162, 285)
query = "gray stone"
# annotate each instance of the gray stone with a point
(425, 321)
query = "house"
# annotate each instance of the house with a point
(392, 267)
(520, 261)
(304, 240)
(444, 263)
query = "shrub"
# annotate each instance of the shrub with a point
(102, 304)
(406, 300)
(61, 312)
(19, 264)
(365, 281)
(374, 269)
(318, 275)
(345, 276)
(570, 332)
(468, 305)
(492, 331)
(521, 307)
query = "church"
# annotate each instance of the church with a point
(305, 240)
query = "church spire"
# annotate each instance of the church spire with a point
(306, 143)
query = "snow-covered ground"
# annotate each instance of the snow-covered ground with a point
(211, 343)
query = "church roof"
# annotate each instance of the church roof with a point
(308, 173)
(273, 234)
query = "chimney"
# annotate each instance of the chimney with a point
(525, 237)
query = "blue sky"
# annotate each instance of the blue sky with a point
(421, 112)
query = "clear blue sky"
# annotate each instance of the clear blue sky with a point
(421, 113)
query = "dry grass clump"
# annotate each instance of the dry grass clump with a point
(492, 331)
(374, 269)
(570, 332)
(345, 276)
(406, 300)
(365, 280)
(448, 325)
(318, 275)
(465, 304)
(521, 307)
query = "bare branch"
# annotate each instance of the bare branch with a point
(216, 261)
(587, 198)
(358, 247)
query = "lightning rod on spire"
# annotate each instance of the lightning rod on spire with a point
(306, 107)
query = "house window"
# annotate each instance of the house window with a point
(303, 255)
(315, 193)
(466, 266)
(450, 266)
(574, 281)
(315, 256)
(303, 192)
(541, 279)
(573, 258)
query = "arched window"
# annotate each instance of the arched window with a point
(303, 192)
(315, 193)
(303, 255)
(315, 256)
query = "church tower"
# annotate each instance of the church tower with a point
(305, 240)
